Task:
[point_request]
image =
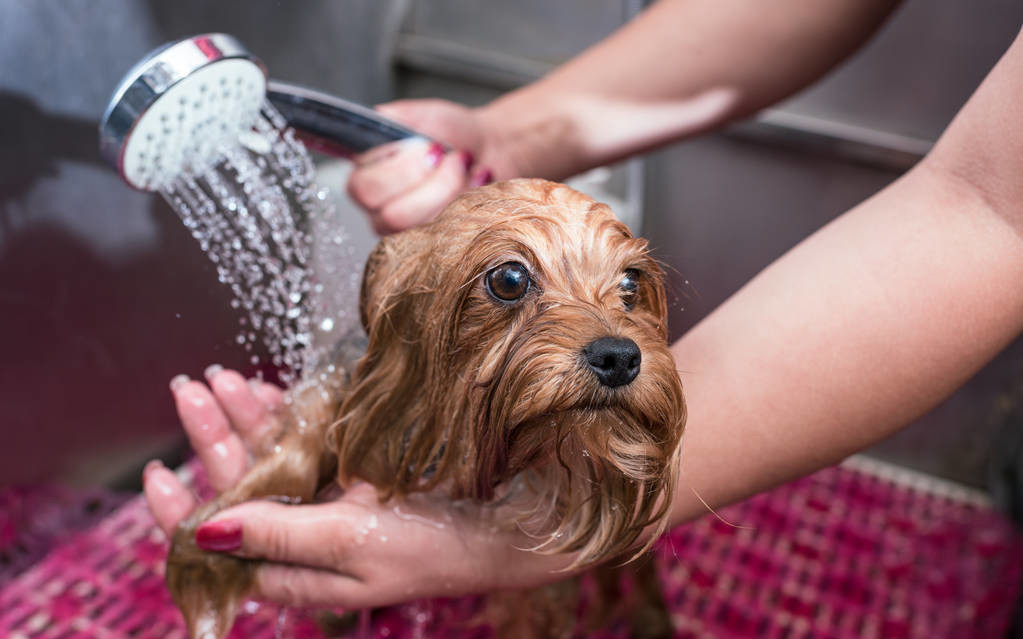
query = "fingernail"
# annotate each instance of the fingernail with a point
(467, 159)
(163, 485)
(219, 536)
(212, 371)
(481, 177)
(178, 381)
(150, 466)
(434, 154)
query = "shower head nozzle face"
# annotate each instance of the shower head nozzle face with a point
(178, 105)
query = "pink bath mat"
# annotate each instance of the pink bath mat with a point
(851, 552)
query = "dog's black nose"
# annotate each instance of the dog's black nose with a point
(614, 360)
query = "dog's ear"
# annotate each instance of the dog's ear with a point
(387, 434)
(372, 274)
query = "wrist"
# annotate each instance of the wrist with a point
(529, 134)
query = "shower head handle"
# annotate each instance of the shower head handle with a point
(331, 124)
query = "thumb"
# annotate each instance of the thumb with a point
(441, 120)
(407, 112)
(316, 535)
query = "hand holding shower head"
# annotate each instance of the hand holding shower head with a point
(183, 99)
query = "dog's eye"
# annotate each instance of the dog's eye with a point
(630, 288)
(508, 282)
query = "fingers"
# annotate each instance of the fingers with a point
(270, 395)
(168, 499)
(317, 535)
(308, 587)
(406, 183)
(413, 157)
(248, 406)
(421, 202)
(409, 112)
(220, 450)
(386, 172)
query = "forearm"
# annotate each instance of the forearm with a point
(870, 322)
(680, 68)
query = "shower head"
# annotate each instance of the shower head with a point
(180, 102)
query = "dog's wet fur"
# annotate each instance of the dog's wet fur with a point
(495, 366)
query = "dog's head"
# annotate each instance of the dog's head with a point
(518, 344)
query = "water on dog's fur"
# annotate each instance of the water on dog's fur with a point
(259, 216)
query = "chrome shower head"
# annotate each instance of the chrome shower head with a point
(178, 103)
(186, 98)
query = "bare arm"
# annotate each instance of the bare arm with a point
(870, 322)
(680, 68)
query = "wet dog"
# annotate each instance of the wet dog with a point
(517, 352)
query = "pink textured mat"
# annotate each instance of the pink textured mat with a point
(34, 519)
(846, 553)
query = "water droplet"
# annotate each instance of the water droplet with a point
(327, 324)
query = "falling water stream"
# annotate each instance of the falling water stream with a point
(278, 243)
(275, 240)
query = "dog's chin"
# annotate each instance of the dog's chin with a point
(607, 404)
(614, 440)
(592, 479)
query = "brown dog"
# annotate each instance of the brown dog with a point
(516, 345)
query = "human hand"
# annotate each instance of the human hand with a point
(406, 183)
(353, 552)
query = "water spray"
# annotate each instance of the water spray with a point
(198, 121)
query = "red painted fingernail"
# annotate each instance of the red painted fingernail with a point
(467, 159)
(178, 381)
(481, 177)
(434, 155)
(220, 536)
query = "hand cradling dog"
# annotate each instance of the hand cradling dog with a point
(517, 348)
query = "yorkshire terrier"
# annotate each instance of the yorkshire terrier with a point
(517, 353)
